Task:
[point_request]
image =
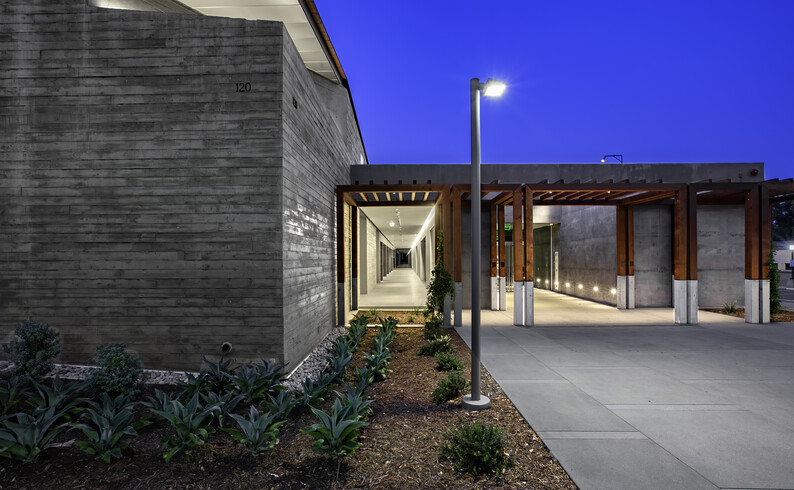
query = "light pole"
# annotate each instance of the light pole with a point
(616, 157)
(491, 88)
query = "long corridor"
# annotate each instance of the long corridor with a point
(401, 288)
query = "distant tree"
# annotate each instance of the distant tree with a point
(783, 221)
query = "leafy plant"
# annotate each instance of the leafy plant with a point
(311, 392)
(774, 285)
(433, 327)
(191, 422)
(336, 433)
(160, 402)
(273, 372)
(200, 384)
(450, 387)
(372, 315)
(281, 406)
(447, 361)
(119, 372)
(33, 347)
(729, 307)
(354, 402)
(13, 391)
(387, 330)
(219, 375)
(226, 403)
(59, 395)
(257, 433)
(106, 425)
(441, 283)
(365, 376)
(337, 365)
(442, 343)
(478, 449)
(378, 362)
(356, 331)
(248, 383)
(26, 438)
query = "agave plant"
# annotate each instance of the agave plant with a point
(248, 383)
(12, 391)
(365, 376)
(161, 401)
(356, 331)
(257, 433)
(60, 395)
(387, 329)
(219, 375)
(25, 438)
(226, 404)
(106, 425)
(192, 424)
(336, 433)
(311, 392)
(378, 361)
(273, 372)
(354, 402)
(193, 384)
(281, 406)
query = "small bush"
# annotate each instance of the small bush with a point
(450, 387)
(477, 450)
(446, 361)
(441, 343)
(433, 327)
(119, 373)
(34, 347)
(729, 307)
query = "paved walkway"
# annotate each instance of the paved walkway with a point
(653, 406)
(400, 289)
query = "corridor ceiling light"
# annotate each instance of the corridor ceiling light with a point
(493, 88)
(595, 288)
(391, 223)
(581, 286)
(567, 284)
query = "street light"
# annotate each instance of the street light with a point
(491, 88)
(616, 157)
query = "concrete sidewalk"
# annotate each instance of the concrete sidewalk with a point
(707, 406)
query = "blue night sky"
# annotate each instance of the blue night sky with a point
(662, 81)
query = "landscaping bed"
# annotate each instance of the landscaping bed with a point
(781, 317)
(400, 446)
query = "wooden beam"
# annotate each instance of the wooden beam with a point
(518, 234)
(493, 231)
(373, 204)
(502, 240)
(457, 239)
(529, 237)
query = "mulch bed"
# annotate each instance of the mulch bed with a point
(400, 446)
(781, 317)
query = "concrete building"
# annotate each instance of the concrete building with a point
(190, 183)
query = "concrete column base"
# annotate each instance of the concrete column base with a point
(529, 303)
(447, 311)
(483, 403)
(756, 300)
(502, 293)
(340, 304)
(458, 304)
(494, 293)
(518, 303)
(685, 302)
(625, 292)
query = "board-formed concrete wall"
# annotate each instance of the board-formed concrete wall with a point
(720, 255)
(653, 255)
(161, 189)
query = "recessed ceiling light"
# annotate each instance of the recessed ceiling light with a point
(391, 223)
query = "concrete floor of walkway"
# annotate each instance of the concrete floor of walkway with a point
(400, 289)
(653, 406)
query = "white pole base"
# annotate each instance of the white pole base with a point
(529, 303)
(685, 302)
(502, 293)
(518, 304)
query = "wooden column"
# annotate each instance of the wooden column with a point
(354, 256)
(493, 236)
(625, 256)
(502, 240)
(757, 244)
(529, 237)
(685, 298)
(447, 226)
(457, 253)
(622, 251)
(519, 266)
(340, 258)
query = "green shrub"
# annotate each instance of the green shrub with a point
(441, 283)
(59, 395)
(281, 406)
(442, 343)
(13, 390)
(273, 372)
(191, 424)
(446, 361)
(226, 404)
(450, 387)
(34, 347)
(337, 432)
(26, 437)
(729, 307)
(119, 372)
(248, 383)
(477, 450)
(774, 285)
(433, 327)
(219, 375)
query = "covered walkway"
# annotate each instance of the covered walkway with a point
(653, 406)
(400, 289)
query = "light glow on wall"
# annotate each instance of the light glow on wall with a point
(424, 228)
(613, 291)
